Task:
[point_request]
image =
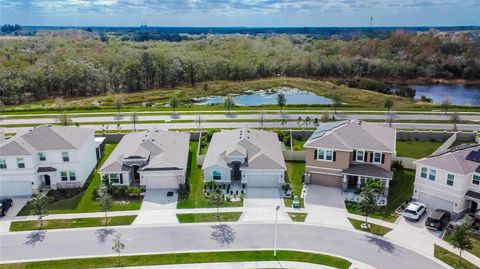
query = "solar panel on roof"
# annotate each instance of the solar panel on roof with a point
(474, 156)
(325, 127)
(478, 169)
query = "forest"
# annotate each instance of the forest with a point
(40, 67)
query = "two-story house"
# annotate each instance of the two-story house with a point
(46, 156)
(450, 180)
(156, 159)
(345, 154)
(245, 156)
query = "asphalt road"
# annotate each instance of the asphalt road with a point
(90, 242)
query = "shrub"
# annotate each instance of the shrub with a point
(133, 191)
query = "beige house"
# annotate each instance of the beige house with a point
(345, 154)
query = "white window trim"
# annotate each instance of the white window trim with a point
(4, 162)
(324, 159)
(21, 160)
(473, 178)
(44, 156)
(67, 155)
(363, 156)
(426, 172)
(381, 157)
(110, 178)
(66, 173)
(453, 180)
(221, 176)
(430, 173)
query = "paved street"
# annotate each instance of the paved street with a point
(369, 249)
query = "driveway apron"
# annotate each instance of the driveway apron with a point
(5, 221)
(259, 206)
(158, 208)
(326, 206)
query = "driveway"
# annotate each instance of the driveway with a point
(414, 234)
(158, 208)
(18, 204)
(259, 205)
(325, 206)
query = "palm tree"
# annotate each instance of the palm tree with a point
(281, 101)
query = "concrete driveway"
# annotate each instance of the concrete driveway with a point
(325, 206)
(414, 234)
(18, 204)
(259, 205)
(158, 208)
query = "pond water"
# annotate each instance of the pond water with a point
(268, 97)
(458, 94)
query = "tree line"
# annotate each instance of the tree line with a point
(37, 68)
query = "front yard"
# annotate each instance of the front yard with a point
(401, 189)
(416, 149)
(452, 259)
(84, 201)
(295, 172)
(475, 240)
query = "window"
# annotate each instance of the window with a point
(450, 179)
(360, 155)
(432, 174)
(21, 163)
(377, 157)
(114, 178)
(42, 157)
(65, 156)
(325, 155)
(476, 180)
(217, 175)
(71, 175)
(63, 176)
(321, 154)
(3, 164)
(424, 172)
(329, 156)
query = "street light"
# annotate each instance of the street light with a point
(275, 243)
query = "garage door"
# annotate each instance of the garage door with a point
(262, 181)
(326, 180)
(160, 182)
(15, 188)
(434, 202)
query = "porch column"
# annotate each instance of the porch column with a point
(344, 182)
(386, 186)
(359, 182)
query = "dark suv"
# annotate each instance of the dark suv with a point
(438, 220)
(5, 204)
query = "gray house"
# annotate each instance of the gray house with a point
(245, 156)
(156, 159)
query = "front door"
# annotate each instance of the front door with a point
(136, 175)
(473, 207)
(46, 178)
(236, 173)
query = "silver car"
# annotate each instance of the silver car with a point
(414, 211)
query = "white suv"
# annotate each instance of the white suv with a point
(414, 211)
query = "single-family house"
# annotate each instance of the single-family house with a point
(345, 154)
(245, 156)
(156, 159)
(450, 180)
(47, 156)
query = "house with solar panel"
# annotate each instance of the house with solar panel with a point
(345, 154)
(450, 180)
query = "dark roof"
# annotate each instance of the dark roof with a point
(46, 169)
(473, 194)
(368, 170)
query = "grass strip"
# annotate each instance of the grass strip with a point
(209, 217)
(452, 259)
(374, 228)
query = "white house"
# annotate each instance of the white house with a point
(245, 156)
(156, 159)
(46, 156)
(450, 180)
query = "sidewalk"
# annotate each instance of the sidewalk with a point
(372, 220)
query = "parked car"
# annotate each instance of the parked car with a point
(5, 204)
(414, 211)
(438, 219)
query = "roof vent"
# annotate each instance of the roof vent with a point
(152, 139)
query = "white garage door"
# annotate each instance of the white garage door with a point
(262, 180)
(15, 188)
(434, 202)
(160, 182)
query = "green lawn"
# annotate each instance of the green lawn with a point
(475, 240)
(401, 189)
(374, 229)
(416, 149)
(298, 144)
(298, 217)
(183, 258)
(84, 202)
(196, 198)
(209, 217)
(71, 223)
(452, 259)
(295, 172)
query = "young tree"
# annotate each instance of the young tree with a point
(174, 103)
(370, 192)
(390, 119)
(228, 103)
(104, 199)
(281, 101)
(216, 198)
(59, 103)
(118, 103)
(284, 121)
(64, 119)
(299, 121)
(446, 104)
(336, 102)
(455, 119)
(460, 238)
(388, 104)
(39, 203)
(118, 246)
(134, 120)
(262, 119)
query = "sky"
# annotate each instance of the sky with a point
(247, 13)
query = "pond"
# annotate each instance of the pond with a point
(294, 96)
(458, 94)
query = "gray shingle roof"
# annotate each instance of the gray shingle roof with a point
(349, 135)
(262, 148)
(45, 137)
(368, 170)
(453, 160)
